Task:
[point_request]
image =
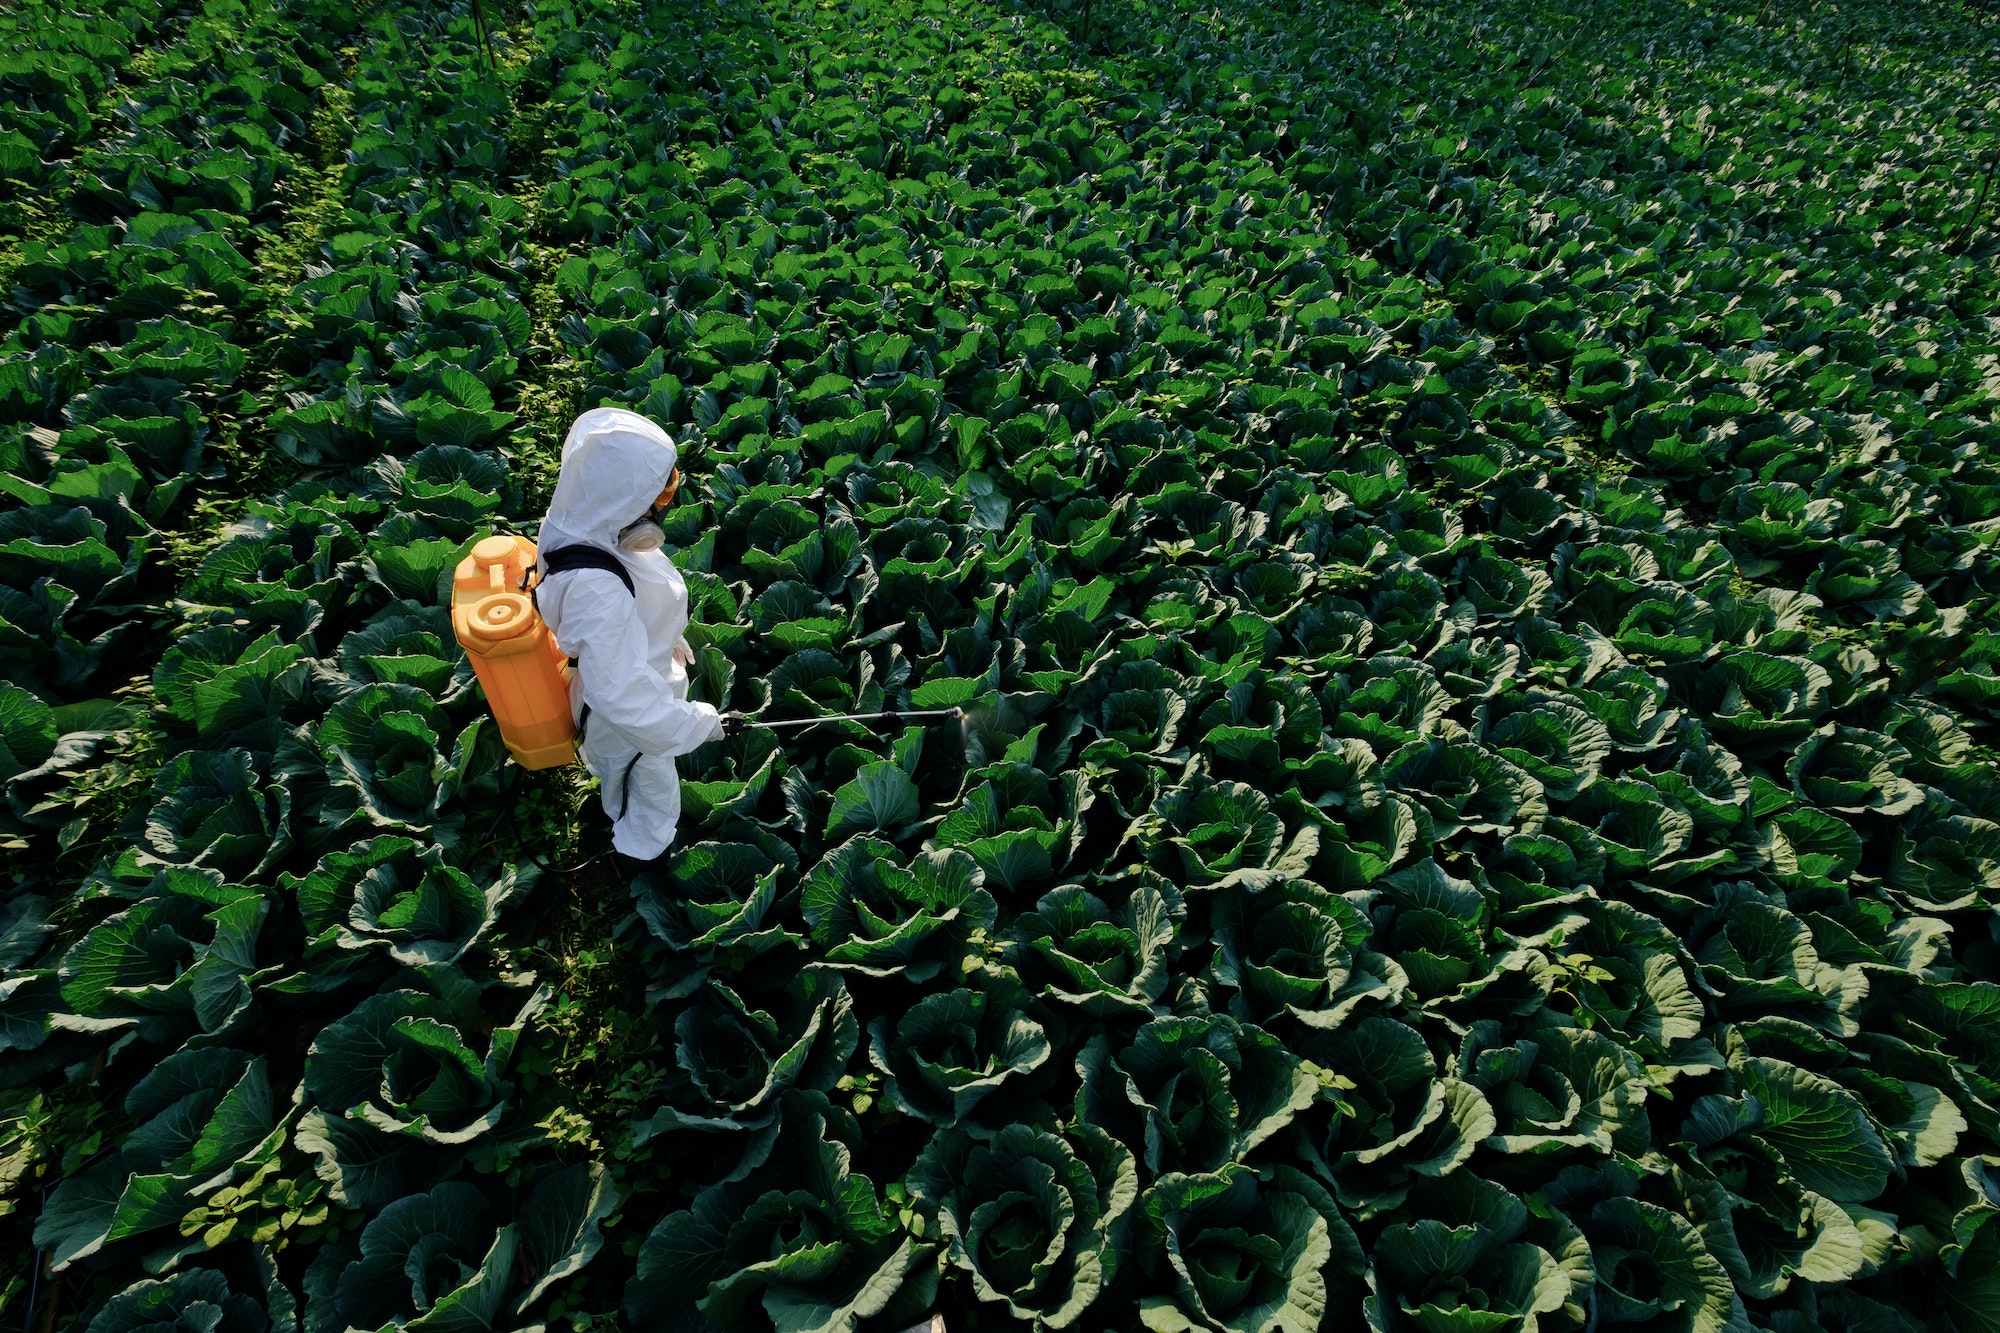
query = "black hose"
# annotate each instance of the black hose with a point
(510, 792)
(594, 857)
(35, 1265)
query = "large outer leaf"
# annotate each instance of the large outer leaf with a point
(559, 1226)
(194, 1297)
(881, 799)
(1826, 1139)
(202, 1115)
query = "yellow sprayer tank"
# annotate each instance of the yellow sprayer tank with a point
(525, 675)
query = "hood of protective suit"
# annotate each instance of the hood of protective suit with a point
(613, 465)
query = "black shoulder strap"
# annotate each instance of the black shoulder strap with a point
(585, 557)
(551, 563)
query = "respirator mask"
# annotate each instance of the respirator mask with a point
(645, 533)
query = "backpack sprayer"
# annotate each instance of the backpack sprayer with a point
(526, 676)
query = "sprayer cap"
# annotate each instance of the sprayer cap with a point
(502, 617)
(493, 550)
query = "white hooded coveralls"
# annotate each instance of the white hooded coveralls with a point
(613, 464)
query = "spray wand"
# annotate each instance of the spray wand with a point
(888, 715)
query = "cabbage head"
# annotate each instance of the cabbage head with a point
(803, 1242)
(734, 1063)
(1476, 1259)
(1244, 1251)
(951, 1050)
(438, 1262)
(1080, 951)
(1400, 1121)
(1553, 1088)
(181, 961)
(881, 913)
(1192, 1093)
(1653, 1267)
(399, 1085)
(1036, 1219)
(1289, 950)
(201, 1300)
(716, 899)
(1201, 833)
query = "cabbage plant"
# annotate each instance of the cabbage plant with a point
(1083, 952)
(874, 911)
(716, 898)
(1037, 1220)
(440, 1260)
(399, 1086)
(200, 1299)
(1289, 950)
(1476, 1257)
(1192, 1092)
(804, 1243)
(204, 1117)
(734, 1062)
(182, 962)
(1245, 1251)
(952, 1050)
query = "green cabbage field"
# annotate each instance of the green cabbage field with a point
(1467, 533)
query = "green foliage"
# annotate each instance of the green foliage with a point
(1463, 535)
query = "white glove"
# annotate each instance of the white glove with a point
(683, 654)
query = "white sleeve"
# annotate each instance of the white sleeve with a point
(602, 631)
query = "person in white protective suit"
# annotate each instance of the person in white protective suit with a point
(630, 684)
